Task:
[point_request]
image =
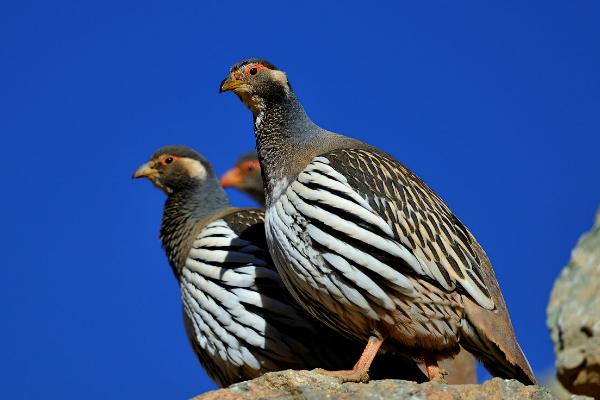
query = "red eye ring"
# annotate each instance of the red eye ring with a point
(168, 160)
(253, 69)
(250, 166)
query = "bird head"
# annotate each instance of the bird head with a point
(175, 168)
(256, 81)
(245, 172)
(246, 177)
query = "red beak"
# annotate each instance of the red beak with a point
(232, 178)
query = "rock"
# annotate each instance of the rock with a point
(554, 386)
(574, 317)
(290, 385)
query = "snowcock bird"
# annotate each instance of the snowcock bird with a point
(366, 246)
(240, 319)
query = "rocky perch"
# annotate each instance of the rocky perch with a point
(574, 317)
(290, 385)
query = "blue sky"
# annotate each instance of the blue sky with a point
(494, 104)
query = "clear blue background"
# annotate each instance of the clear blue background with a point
(495, 105)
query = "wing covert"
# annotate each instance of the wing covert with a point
(380, 206)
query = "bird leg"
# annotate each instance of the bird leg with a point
(360, 371)
(434, 372)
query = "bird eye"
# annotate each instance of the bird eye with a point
(168, 160)
(253, 71)
(250, 167)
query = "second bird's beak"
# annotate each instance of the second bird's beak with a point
(145, 171)
(230, 83)
(232, 178)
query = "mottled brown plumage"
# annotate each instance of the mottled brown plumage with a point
(363, 244)
(459, 370)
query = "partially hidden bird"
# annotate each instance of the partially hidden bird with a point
(239, 318)
(366, 246)
(246, 177)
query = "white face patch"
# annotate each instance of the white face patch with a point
(281, 78)
(194, 168)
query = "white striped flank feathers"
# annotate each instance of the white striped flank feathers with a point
(221, 297)
(335, 238)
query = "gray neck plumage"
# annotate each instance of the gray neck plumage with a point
(282, 128)
(183, 210)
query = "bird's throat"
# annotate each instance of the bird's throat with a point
(183, 209)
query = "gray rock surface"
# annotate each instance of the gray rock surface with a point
(574, 317)
(291, 385)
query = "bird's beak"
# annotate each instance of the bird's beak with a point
(230, 83)
(232, 178)
(145, 171)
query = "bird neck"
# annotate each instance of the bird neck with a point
(282, 130)
(253, 187)
(183, 210)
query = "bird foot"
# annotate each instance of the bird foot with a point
(360, 371)
(440, 377)
(349, 375)
(435, 373)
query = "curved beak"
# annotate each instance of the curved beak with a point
(145, 171)
(232, 178)
(230, 83)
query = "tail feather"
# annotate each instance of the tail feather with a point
(489, 334)
(496, 361)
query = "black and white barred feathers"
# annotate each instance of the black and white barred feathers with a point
(363, 244)
(240, 319)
